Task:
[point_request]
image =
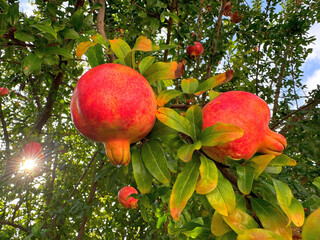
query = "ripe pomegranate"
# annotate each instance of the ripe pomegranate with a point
(125, 199)
(252, 114)
(32, 150)
(4, 91)
(195, 50)
(236, 17)
(115, 105)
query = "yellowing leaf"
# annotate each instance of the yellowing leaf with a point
(208, 176)
(260, 163)
(120, 48)
(213, 94)
(185, 151)
(222, 198)
(283, 160)
(189, 85)
(83, 47)
(144, 44)
(183, 188)
(218, 225)
(166, 95)
(296, 212)
(240, 221)
(99, 39)
(311, 230)
(259, 234)
(146, 63)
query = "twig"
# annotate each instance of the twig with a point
(5, 132)
(4, 222)
(170, 22)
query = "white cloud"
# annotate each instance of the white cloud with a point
(315, 31)
(313, 80)
(27, 7)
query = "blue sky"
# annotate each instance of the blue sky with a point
(311, 67)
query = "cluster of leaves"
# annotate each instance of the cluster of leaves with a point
(182, 193)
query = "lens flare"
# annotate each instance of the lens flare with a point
(28, 165)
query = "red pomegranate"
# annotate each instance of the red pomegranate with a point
(4, 91)
(115, 105)
(252, 114)
(32, 150)
(125, 199)
(195, 50)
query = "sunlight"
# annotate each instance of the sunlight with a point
(28, 164)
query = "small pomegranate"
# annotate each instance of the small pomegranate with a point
(125, 199)
(4, 91)
(195, 51)
(115, 105)
(252, 114)
(227, 9)
(236, 17)
(32, 150)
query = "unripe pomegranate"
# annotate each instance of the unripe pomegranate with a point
(195, 51)
(4, 91)
(252, 114)
(115, 105)
(125, 199)
(32, 150)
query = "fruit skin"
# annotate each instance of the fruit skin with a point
(4, 91)
(32, 150)
(236, 17)
(115, 105)
(195, 51)
(252, 114)
(125, 200)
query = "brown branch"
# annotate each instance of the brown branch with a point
(170, 23)
(46, 113)
(5, 132)
(100, 25)
(4, 222)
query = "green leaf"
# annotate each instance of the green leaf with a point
(220, 133)
(144, 213)
(144, 44)
(185, 151)
(24, 36)
(172, 119)
(31, 64)
(95, 56)
(140, 173)
(316, 182)
(155, 161)
(259, 234)
(3, 5)
(189, 85)
(245, 178)
(99, 39)
(120, 48)
(166, 95)
(311, 230)
(70, 33)
(215, 81)
(46, 29)
(240, 221)
(83, 47)
(208, 176)
(218, 225)
(271, 217)
(259, 163)
(130, 59)
(77, 19)
(283, 160)
(164, 71)
(222, 198)
(59, 51)
(194, 116)
(213, 94)
(183, 188)
(291, 206)
(146, 63)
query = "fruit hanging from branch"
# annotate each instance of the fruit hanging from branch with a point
(252, 114)
(195, 51)
(4, 91)
(115, 105)
(124, 197)
(32, 150)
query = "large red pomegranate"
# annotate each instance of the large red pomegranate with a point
(252, 114)
(4, 91)
(115, 105)
(32, 150)
(125, 199)
(195, 50)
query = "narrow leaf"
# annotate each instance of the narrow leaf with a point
(222, 198)
(183, 188)
(208, 176)
(311, 230)
(164, 71)
(194, 116)
(140, 173)
(166, 95)
(120, 48)
(283, 160)
(259, 234)
(172, 119)
(245, 178)
(185, 151)
(46, 29)
(220, 133)
(240, 221)
(218, 225)
(155, 161)
(83, 47)
(189, 85)
(259, 163)
(99, 39)
(146, 63)
(214, 81)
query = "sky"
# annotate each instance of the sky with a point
(311, 67)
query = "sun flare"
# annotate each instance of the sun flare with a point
(28, 164)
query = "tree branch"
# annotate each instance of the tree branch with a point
(5, 132)
(170, 22)
(4, 222)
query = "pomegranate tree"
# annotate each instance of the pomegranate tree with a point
(115, 105)
(252, 114)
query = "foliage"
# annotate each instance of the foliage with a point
(72, 191)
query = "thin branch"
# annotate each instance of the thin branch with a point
(4, 222)
(170, 23)
(5, 132)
